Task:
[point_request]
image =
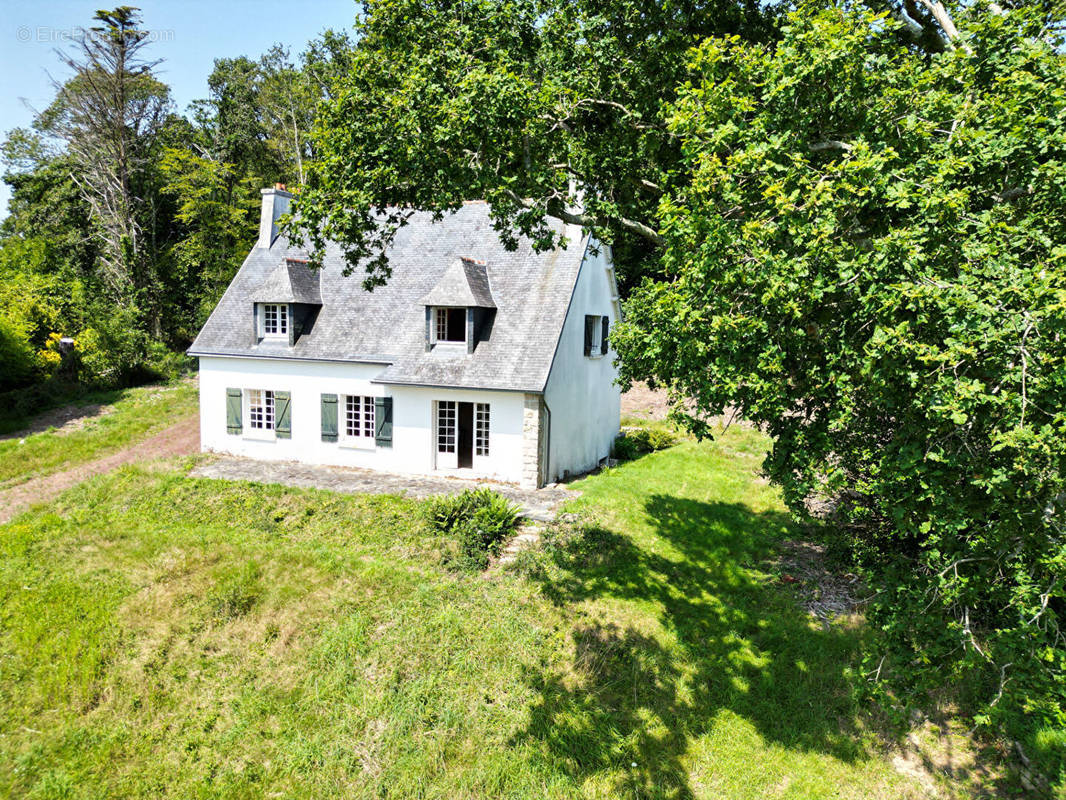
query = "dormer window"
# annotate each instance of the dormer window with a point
(459, 308)
(450, 324)
(276, 320)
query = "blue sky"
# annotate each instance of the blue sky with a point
(188, 34)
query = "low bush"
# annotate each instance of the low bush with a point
(637, 442)
(478, 519)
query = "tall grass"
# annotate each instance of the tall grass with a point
(162, 636)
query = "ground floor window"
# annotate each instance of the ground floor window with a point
(358, 417)
(481, 429)
(261, 409)
(446, 426)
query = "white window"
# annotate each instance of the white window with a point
(594, 331)
(446, 426)
(450, 324)
(481, 429)
(359, 418)
(275, 319)
(260, 409)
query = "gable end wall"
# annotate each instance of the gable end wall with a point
(583, 403)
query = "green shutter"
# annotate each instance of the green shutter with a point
(383, 421)
(233, 411)
(282, 415)
(606, 323)
(589, 322)
(329, 418)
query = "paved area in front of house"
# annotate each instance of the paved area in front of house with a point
(536, 504)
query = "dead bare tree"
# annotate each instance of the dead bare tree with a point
(108, 114)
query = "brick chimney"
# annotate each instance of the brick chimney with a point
(275, 204)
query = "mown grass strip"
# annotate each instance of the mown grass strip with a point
(136, 413)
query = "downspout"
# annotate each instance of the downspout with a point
(547, 438)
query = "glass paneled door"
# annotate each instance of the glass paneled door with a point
(456, 433)
(447, 434)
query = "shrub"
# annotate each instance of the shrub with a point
(17, 361)
(478, 519)
(637, 442)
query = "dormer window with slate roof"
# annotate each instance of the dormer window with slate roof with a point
(286, 305)
(460, 308)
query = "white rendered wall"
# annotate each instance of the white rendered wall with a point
(413, 448)
(581, 394)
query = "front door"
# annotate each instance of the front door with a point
(466, 435)
(455, 434)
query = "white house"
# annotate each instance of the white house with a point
(473, 360)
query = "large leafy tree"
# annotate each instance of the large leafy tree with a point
(869, 261)
(250, 131)
(544, 108)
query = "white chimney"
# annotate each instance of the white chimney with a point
(275, 204)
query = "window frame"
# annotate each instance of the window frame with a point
(365, 424)
(264, 400)
(482, 430)
(596, 342)
(440, 323)
(281, 323)
(446, 437)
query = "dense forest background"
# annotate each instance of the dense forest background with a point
(127, 218)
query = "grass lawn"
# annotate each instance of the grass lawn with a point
(162, 636)
(137, 413)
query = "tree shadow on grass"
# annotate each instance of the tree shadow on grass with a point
(732, 639)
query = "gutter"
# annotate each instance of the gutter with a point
(268, 357)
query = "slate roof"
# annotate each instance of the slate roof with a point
(464, 283)
(290, 282)
(531, 292)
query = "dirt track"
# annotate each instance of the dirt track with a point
(182, 438)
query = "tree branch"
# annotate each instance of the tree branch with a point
(829, 144)
(587, 221)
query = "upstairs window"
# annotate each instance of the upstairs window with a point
(596, 335)
(450, 324)
(275, 320)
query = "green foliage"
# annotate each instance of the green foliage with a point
(478, 519)
(217, 215)
(637, 442)
(869, 262)
(521, 103)
(127, 221)
(16, 355)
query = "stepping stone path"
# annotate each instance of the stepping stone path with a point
(528, 537)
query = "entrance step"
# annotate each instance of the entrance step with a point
(526, 538)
